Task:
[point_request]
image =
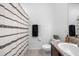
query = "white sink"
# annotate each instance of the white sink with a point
(68, 49)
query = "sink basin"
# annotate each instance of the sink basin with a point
(68, 49)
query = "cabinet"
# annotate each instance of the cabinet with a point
(54, 51)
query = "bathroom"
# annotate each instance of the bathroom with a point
(16, 26)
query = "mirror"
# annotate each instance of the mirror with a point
(73, 16)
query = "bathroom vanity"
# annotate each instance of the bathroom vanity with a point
(54, 48)
(64, 48)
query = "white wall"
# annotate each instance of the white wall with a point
(51, 18)
(43, 15)
(61, 20)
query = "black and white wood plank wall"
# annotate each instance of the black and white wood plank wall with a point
(14, 27)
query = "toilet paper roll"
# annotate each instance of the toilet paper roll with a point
(39, 39)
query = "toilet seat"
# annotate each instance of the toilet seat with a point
(46, 47)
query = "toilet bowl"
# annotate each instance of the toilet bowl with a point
(46, 47)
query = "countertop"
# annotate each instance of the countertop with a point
(55, 44)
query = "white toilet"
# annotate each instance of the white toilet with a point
(46, 47)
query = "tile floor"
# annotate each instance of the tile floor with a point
(37, 53)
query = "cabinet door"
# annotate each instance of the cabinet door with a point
(54, 51)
